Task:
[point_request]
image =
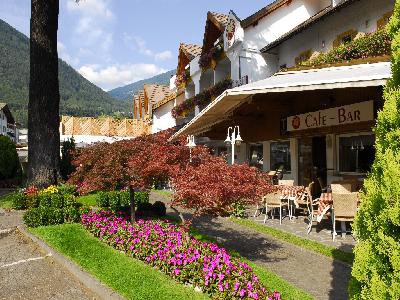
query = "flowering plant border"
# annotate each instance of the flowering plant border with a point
(201, 99)
(371, 45)
(215, 53)
(171, 250)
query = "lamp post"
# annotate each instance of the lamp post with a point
(233, 138)
(191, 144)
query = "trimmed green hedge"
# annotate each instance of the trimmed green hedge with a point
(120, 200)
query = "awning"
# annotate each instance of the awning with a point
(364, 75)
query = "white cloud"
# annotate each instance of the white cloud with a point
(165, 55)
(139, 44)
(94, 8)
(116, 75)
(63, 54)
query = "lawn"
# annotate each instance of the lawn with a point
(129, 277)
(298, 241)
(5, 201)
(89, 200)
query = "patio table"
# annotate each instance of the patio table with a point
(291, 194)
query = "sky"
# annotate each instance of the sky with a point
(116, 42)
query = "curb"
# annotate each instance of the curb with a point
(91, 283)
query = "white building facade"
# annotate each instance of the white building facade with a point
(8, 126)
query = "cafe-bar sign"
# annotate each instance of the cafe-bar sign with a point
(348, 114)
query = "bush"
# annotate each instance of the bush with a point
(67, 189)
(376, 267)
(159, 209)
(33, 201)
(114, 201)
(42, 216)
(141, 197)
(67, 152)
(19, 200)
(239, 210)
(144, 208)
(102, 199)
(10, 166)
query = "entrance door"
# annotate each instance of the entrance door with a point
(312, 161)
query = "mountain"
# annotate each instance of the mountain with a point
(126, 92)
(79, 97)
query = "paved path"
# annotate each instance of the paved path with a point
(28, 273)
(319, 275)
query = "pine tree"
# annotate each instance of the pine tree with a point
(376, 269)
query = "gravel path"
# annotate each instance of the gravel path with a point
(320, 276)
(28, 273)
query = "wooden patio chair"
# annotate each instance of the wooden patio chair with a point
(273, 201)
(344, 210)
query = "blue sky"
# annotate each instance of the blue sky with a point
(116, 42)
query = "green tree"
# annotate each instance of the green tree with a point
(376, 269)
(10, 167)
(67, 152)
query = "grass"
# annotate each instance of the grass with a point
(6, 201)
(328, 251)
(129, 277)
(163, 193)
(270, 280)
(89, 200)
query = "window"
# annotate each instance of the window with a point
(356, 153)
(255, 156)
(280, 156)
(345, 37)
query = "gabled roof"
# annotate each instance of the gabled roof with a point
(187, 52)
(254, 18)
(215, 27)
(156, 92)
(166, 100)
(219, 18)
(308, 23)
(190, 50)
(4, 107)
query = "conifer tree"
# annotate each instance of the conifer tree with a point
(376, 269)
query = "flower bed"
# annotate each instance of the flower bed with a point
(170, 249)
(371, 45)
(201, 99)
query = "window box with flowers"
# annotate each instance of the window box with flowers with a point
(368, 48)
(211, 57)
(202, 99)
(183, 79)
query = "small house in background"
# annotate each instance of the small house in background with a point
(8, 126)
(87, 130)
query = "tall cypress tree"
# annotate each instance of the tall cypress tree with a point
(376, 269)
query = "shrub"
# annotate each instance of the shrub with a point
(67, 189)
(102, 199)
(19, 200)
(57, 200)
(239, 210)
(159, 209)
(376, 268)
(141, 197)
(114, 200)
(67, 152)
(10, 166)
(33, 201)
(42, 216)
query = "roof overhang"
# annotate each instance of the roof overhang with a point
(222, 108)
